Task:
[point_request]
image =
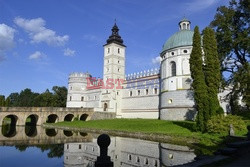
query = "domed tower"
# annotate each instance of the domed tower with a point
(76, 89)
(176, 98)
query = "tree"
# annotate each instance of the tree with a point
(198, 84)
(46, 99)
(14, 97)
(26, 98)
(211, 70)
(7, 102)
(2, 100)
(232, 33)
(60, 94)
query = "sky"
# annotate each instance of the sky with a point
(43, 41)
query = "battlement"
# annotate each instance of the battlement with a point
(79, 74)
(142, 74)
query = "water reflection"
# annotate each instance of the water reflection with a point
(81, 149)
(30, 131)
(8, 130)
(128, 152)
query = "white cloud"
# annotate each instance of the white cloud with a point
(37, 55)
(6, 39)
(156, 60)
(39, 33)
(68, 52)
(198, 5)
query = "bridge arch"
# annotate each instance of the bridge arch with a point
(9, 130)
(68, 133)
(51, 132)
(31, 131)
(10, 119)
(52, 118)
(84, 117)
(69, 117)
(32, 120)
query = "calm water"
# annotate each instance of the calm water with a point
(35, 147)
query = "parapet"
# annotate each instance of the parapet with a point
(79, 77)
(142, 74)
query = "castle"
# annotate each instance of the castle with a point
(157, 93)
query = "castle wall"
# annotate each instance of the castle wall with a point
(140, 97)
(177, 105)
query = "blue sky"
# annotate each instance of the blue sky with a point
(43, 41)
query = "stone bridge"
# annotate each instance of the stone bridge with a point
(39, 115)
(36, 135)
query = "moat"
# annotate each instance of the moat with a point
(36, 146)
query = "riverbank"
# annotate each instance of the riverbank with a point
(176, 132)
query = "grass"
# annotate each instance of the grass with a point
(181, 132)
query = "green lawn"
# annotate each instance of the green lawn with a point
(180, 132)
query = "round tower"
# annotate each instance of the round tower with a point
(176, 100)
(76, 88)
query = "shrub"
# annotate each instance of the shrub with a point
(220, 124)
(220, 110)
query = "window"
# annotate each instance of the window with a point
(71, 88)
(80, 146)
(82, 98)
(67, 146)
(172, 53)
(118, 69)
(70, 98)
(146, 91)
(108, 61)
(156, 163)
(118, 61)
(118, 50)
(129, 157)
(155, 90)
(173, 68)
(138, 159)
(170, 101)
(117, 93)
(130, 94)
(95, 97)
(108, 50)
(139, 92)
(185, 51)
(107, 69)
(146, 161)
(184, 26)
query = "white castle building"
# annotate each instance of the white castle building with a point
(158, 93)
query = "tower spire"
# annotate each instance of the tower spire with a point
(115, 37)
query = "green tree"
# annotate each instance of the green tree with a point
(14, 97)
(26, 98)
(211, 70)
(198, 84)
(2, 100)
(7, 102)
(232, 33)
(46, 99)
(60, 94)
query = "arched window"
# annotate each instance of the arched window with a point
(173, 68)
(184, 26)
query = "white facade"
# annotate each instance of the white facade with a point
(158, 93)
